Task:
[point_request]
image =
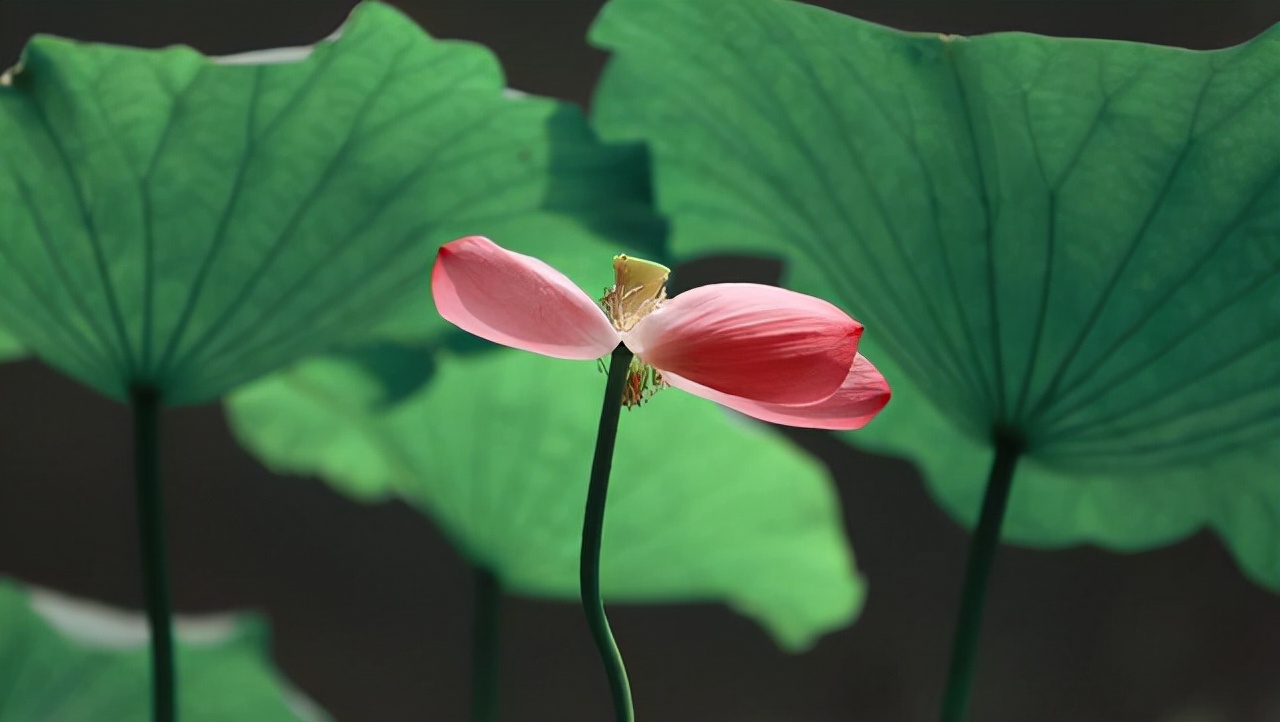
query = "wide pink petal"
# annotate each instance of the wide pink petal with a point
(518, 301)
(862, 396)
(756, 342)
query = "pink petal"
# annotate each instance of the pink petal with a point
(518, 301)
(862, 396)
(756, 342)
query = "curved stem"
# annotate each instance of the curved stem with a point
(155, 572)
(485, 647)
(982, 551)
(592, 532)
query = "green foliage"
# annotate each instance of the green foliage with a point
(191, 223)
(497, 449)
(1074, 241)
(10, 347)
(65, 659)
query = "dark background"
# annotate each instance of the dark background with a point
(371, 608)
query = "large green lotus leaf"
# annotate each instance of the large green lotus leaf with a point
(497, 449)
(190, 223)
(65, 659)
(1074, 242)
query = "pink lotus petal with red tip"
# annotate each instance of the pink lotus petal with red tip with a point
(756, 342)
(863, 394)
(517, 301)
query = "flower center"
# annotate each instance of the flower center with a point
(639, 287)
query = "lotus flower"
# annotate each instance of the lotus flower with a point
(767, 352)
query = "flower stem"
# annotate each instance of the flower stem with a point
(155, 573)
(982, 551)
(593, 530)
(485, 647)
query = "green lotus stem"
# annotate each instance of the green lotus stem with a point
(485, 646)
(593, 531)
(155, 572)
(982, 552)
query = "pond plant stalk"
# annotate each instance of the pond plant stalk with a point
(982, 552)
(485, 646)
(593, 531)
(155, 566)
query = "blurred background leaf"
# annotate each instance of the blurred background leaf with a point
(190, 223)
(69, 660)
(10, 347)
(703, 505)
(1076, 242)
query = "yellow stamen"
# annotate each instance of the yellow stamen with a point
(643, 381)
(639, 287)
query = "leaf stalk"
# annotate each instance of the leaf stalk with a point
(982, 551)
(154, 555)
(485, 646)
